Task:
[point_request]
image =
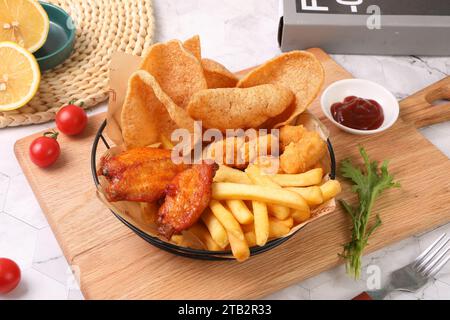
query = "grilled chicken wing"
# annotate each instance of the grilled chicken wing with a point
(186, 197)
(111, 166)
(140, 174)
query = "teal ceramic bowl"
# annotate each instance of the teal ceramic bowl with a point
(61, 38)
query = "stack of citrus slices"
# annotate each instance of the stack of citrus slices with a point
(24, 27)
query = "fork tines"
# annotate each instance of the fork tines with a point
(433, 259)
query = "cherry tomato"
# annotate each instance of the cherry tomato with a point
(44, 151)
(71, 119)
(9, 275)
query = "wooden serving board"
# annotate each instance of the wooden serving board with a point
(115, 263)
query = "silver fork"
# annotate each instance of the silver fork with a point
(415, 275)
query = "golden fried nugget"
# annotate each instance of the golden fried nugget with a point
(193, 46)
(235, 108)
(148, 112)
(301, 156)
(290, 134)
(178, 71)
(217, 76)
(299, 71)
(229, 151)
(238, 152)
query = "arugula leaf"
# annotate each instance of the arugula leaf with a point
(368, 186)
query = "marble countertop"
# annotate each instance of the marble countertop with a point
(239, 34)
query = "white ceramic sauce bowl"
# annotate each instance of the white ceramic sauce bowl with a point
(366, 89)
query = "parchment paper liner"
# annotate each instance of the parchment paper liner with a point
(121, 67)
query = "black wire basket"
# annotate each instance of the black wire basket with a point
(184, 251)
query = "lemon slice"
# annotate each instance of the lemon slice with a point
(19, 76)
(24, 22)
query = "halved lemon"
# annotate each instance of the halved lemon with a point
(19, 76)
(24, 22)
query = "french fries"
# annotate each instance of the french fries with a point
(227, 219)
(312, 195)
(149, 212)
(166, 143)
(155, 145)
(239, 247)
(289, 222)
(240, 211)
(227, 174)
(300, 216)
(316, 195)
(236, 191)
(309, 178)
(277, 228)
(177, 238)
(254, 173)
(279, 212)
(200, 231)
(261, 218)
(248, 227)
(250, 208)
(330, 189)
(188, 239)
(215, 228)
(250, 237)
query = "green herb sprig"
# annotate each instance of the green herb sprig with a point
(368, 185)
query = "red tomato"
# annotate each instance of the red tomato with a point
(9, 275)
(44, 151)
(71, 119)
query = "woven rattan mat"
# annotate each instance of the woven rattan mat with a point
(103, 27)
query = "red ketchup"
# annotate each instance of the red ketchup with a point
(358, 113)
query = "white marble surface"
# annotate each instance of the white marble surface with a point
(239, 34)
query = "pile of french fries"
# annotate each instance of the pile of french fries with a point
(250, 208)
